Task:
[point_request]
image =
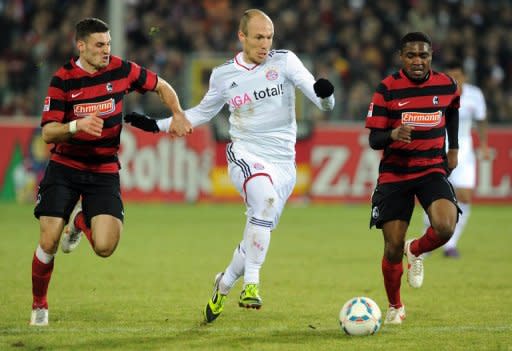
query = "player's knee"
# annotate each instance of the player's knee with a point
(104, 251)
(394, 250)
(266, 208)
(104, 246)
(444, 229)
(49, 245)
(49, 242)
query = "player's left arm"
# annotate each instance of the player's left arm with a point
(452, 131)
(321, 92)
(180, 125)
(143, 80)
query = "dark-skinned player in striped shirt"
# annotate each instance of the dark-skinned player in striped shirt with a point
(411, 113)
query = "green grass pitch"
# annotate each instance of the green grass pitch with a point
(149, 295)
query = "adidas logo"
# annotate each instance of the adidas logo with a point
(233, 85)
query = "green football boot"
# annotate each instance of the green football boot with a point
(250, 298)
(215, 305)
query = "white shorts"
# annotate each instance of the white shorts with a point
(464, 175)
(243, 166)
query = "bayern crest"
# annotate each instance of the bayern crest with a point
(272, 74)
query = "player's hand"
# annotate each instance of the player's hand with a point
(91, 124)
(323, 88)
(484, 152)
(180, 125)
(142, 122)
(402, 133)
(453, 159)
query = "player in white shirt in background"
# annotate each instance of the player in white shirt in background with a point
(463, 178)
(259, 87)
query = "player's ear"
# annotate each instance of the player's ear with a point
(80, 45)
(241, 36)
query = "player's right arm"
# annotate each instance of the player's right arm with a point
(481, 125)
(55, 127)
(56, 132)
(382, 132)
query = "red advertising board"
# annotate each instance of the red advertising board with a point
(343, 165)
(334, 165)
(158, 168)
(345, 169)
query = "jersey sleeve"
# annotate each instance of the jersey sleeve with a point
(378, 116)
(456, 95)
(54, 102)
(141, 79)
(210, 105)
(304, 80)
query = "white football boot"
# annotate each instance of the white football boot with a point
(72, 235)
(414, 267)
(39, 317)
(395, 315)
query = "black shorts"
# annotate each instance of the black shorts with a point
(391, 201)
(62, 186)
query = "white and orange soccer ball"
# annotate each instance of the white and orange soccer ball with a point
(360, 316)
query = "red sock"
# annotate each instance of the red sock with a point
(80, 224)
(392, 278)
(41, 274)
(428, 242)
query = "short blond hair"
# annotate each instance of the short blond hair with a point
(248, 14)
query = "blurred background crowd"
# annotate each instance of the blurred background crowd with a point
(352, 42)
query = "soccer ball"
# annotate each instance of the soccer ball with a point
(360, 316)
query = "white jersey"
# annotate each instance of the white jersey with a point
(472, 107)
(261, 99)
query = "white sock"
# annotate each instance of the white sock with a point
(234, 270)
(459, 228)
(43, 256)
(256, 246)
(236, 267)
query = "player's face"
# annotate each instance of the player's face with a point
(458, 75)
(258, 41)
(95, 51)
(416, 57)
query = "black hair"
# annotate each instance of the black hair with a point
(414, 36)
(88, 26)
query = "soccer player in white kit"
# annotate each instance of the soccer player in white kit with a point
(463, 178)
(259, 85)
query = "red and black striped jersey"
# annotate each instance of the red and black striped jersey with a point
(74, 93)
(398, 100)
